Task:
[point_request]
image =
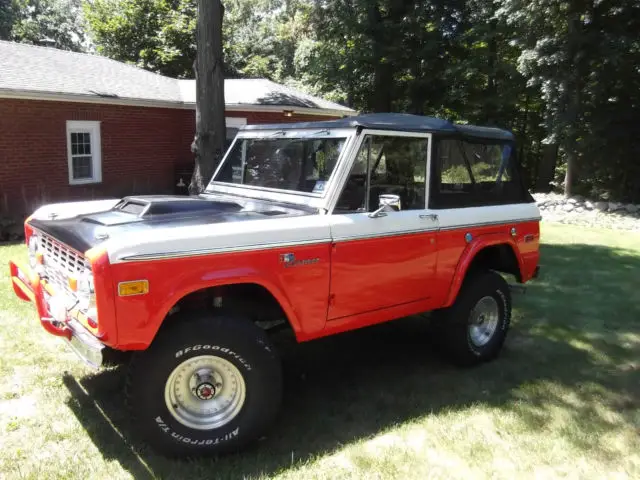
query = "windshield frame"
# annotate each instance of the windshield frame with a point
(289, 196)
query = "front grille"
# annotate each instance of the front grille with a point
(61, 262)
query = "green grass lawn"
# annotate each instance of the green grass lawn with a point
(562, 401)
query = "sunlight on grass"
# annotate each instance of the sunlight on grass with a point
(562, 401)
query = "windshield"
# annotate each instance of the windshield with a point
(295, 164)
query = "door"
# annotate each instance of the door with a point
(385, 258)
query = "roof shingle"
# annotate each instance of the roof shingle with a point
(43, 70)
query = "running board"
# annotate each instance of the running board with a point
(517, 288)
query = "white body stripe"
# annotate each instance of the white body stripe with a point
(291, 231)
(476, 216)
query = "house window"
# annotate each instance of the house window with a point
(83, 152)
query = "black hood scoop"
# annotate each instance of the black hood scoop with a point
(139, 209)
(138, 213)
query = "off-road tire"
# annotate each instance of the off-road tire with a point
(234, 339)
(453, 323)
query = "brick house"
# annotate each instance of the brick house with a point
(75, 126)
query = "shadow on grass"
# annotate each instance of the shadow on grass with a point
(574, 330)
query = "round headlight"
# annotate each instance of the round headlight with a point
(33, 250)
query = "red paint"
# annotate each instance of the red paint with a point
(35, 285)
(378, 273)
(353, 284)
(302, 291)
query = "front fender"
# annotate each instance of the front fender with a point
(301, 291)
(469, 253)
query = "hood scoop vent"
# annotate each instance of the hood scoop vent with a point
(150, 206)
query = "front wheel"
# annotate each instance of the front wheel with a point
(205, 385)
(475, 327)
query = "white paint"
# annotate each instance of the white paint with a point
(458, 217)
(291, 231)
(73, 209)
(220, 237)
(93, 129)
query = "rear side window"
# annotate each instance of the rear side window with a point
(468, 173)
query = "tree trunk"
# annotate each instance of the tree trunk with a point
(209, 141)
(492, 89)
(573, 88)
(382, 68)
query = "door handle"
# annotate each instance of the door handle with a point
(430, 216)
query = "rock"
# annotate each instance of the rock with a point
(631, 208)
(572, 201)
(602, 206)
(613, 206)
(577, 198)
(588, 205)
(568, 207)
(580, 209)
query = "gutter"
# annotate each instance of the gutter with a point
(151, 103)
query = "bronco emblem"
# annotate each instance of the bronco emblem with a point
(289, 260)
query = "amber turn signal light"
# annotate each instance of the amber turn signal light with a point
(135, 287)
(73, 284)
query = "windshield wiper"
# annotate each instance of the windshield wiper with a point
(279, 132)
(325, 131)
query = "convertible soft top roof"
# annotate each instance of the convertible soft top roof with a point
(394, 121)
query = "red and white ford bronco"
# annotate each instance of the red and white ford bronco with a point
(320, 227)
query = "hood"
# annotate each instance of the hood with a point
(139, 213)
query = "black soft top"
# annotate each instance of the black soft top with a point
(395, 121)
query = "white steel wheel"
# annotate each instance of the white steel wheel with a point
(205, 392)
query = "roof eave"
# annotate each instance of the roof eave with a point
(154, 103)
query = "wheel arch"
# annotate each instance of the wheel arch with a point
(229, 288)
(489, 252)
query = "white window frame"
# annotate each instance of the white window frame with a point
(93, 129)
(347, 164)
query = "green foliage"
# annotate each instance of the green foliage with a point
(584, 57)
(158, 35)
(59, 23)
(559, 71)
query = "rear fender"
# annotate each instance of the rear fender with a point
(469, 254)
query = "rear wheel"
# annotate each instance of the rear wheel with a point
(475, 327)
(205, 385)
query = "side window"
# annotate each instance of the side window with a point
(469, 173)
(386, 165)
(353, 196)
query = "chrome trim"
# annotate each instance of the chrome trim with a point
(213, 251)
(385, 235)
(271, 246)
(88, 348)
(488, 224)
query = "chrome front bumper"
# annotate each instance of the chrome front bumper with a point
(86, 346)
(28, 286)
